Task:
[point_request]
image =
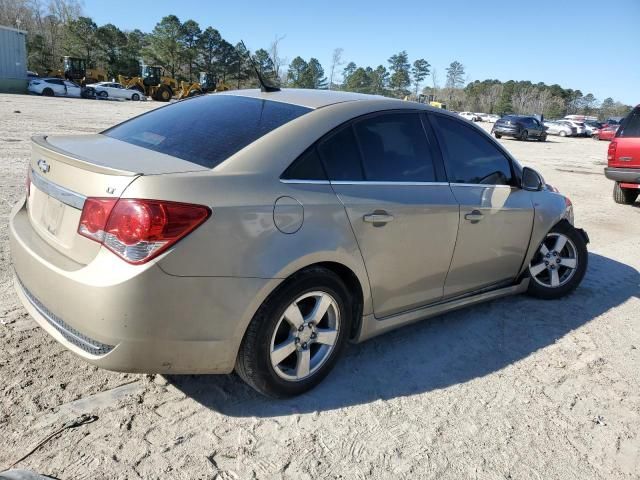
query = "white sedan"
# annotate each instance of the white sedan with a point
(472, 117)
(58, 87)
(116, 90)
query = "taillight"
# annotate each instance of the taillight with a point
(139, 230)
(611, 154)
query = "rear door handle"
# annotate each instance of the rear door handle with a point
(475, 216)
(378, 217)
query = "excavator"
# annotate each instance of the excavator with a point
(75, 69)
(206, 83)
(152, 82)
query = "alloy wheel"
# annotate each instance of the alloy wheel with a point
(305, 336)
(555, 262)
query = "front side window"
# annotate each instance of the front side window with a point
(469, 156)
(395, 148)
(207, 129)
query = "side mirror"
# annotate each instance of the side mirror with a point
(532, 180)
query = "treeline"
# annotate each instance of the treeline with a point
(184, 48)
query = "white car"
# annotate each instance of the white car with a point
(58, 87)
(581, 130)
(561, 129)
(472, 117)
(491, 118)
(116, 90)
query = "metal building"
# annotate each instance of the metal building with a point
(13, 60)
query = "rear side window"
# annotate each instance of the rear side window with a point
(630, 126)
(208, 129)
(395, 149)
(341, 157)
(306, 167)
(469, 157)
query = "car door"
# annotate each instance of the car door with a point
(72, 90)
(57, 86)
(496, 216)
(539, 129)
(117, 91)
(405, 218)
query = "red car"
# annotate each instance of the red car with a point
(606, 132)
(624, 159)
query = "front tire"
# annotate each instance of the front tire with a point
(103, 94)
(47, 92)
(542, 138)
(524, 135)
(297, 335)
(624, 196)
(135, 97)
(498, 136)
(562, 133)
(559, 264)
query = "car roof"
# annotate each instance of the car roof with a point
(307, 97)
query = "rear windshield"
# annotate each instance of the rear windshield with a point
(206, 130)
(630, 126)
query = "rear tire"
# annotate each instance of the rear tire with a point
(562, 133)
(273, 329)
(498, 135)
(524, 135)
(557, 269)
(624, 196)
(542, 138)
(103, 94)
(135, 97)
(47, 92)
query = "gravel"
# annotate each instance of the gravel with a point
(517, 388)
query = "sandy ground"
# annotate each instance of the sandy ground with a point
(513, 389)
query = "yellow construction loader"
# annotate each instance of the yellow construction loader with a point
(207, 83)
(152, 82)
(75, 69)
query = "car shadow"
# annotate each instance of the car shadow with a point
(437, 353)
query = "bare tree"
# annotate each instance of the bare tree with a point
(274, 55)
(434, 79)
(336, 61)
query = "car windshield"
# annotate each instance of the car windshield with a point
(207, 129)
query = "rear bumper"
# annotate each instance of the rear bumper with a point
(627, 175)
(508, 132)
(133, 318)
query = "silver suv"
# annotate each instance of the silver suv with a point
(263, 231)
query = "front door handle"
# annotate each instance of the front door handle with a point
(378, 217)
(474, 217)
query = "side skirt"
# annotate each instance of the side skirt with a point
(372, 327)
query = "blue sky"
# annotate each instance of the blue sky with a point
(584, 44)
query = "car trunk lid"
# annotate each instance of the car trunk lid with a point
(64, 171)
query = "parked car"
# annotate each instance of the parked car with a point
(521, 127)
(50, 87)
(623, 159)
(606, 133)
(472, 117)
(117, 91)
(581, 130)
(561, 129)
(286, 224)
(592, 127)
(492, 118)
